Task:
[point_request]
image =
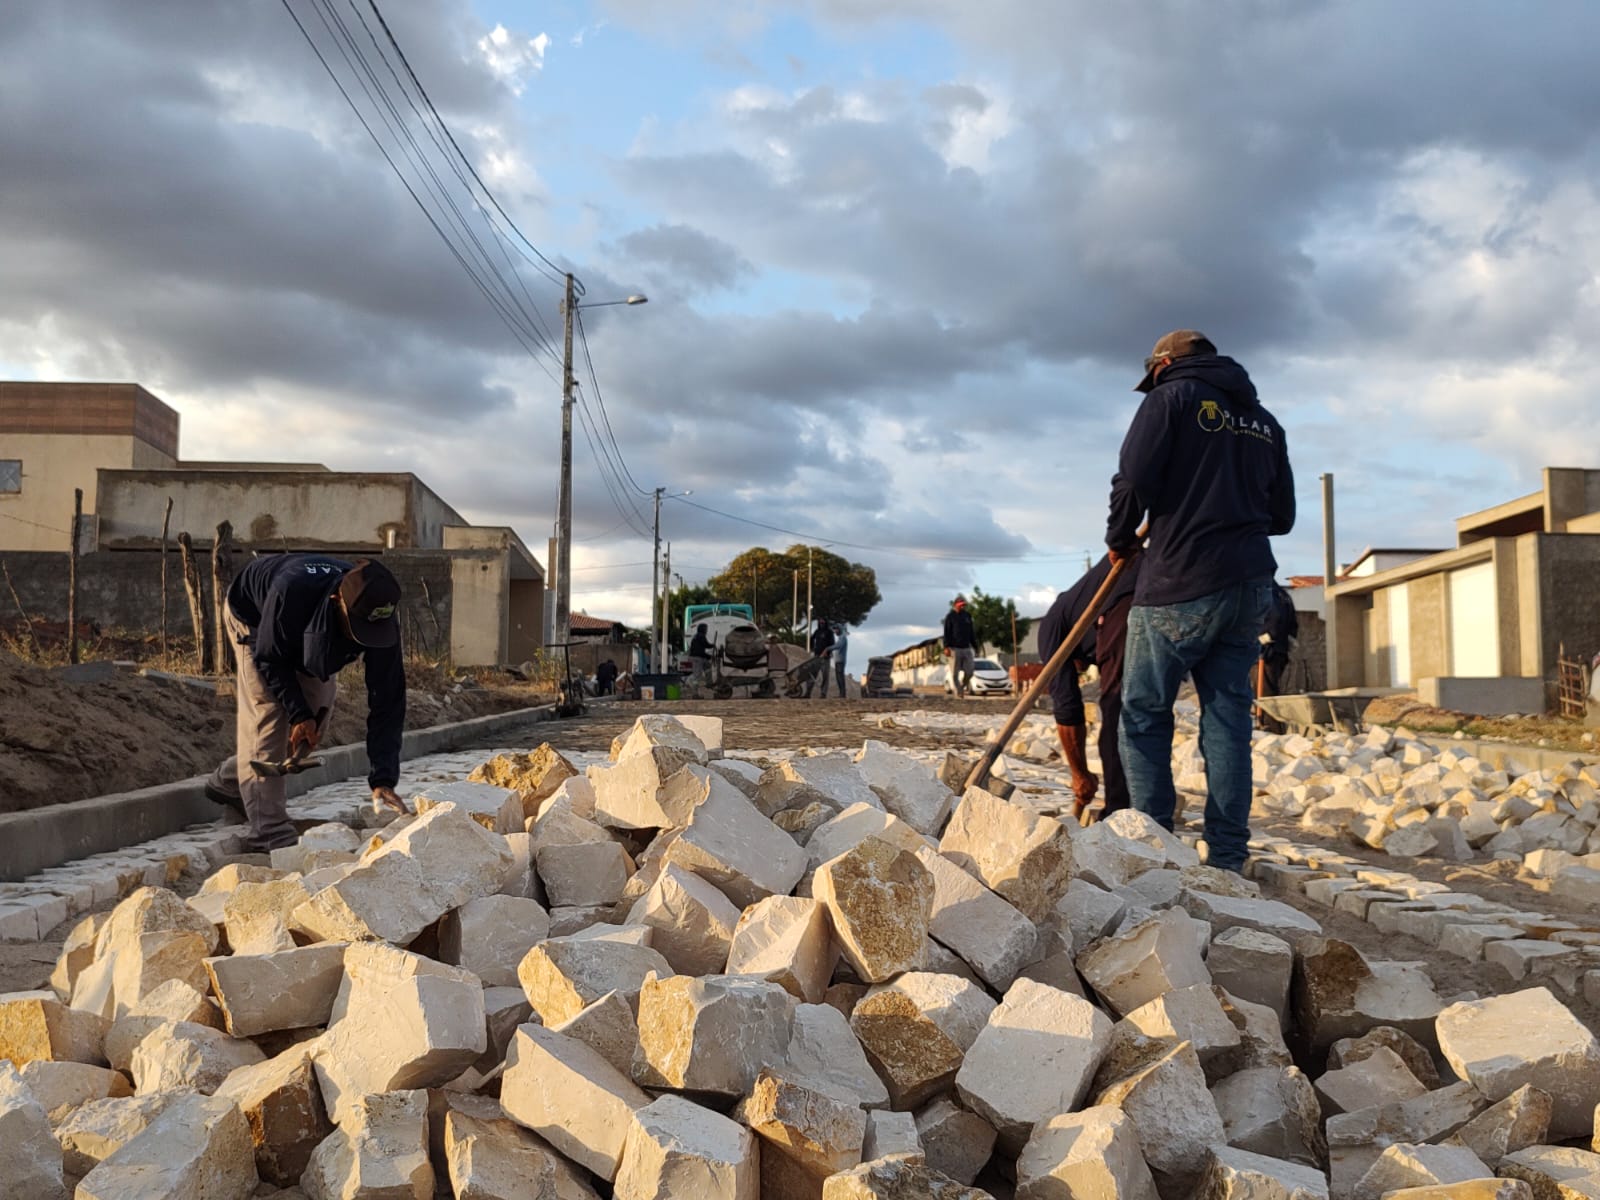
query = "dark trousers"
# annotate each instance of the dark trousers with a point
(1110, 640)
(1272, 671)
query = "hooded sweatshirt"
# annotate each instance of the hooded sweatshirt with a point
(1210, 466)
(285, 599)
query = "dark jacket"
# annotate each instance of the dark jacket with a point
(1211, 468)
(959, 633)
(700, 645)
(1280, 624)
(1065, 695)
(286, 600)
(822, 639)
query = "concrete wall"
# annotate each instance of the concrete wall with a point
(1569, 602)
(272, 509)
(53, 464)
(121, 590)
(480, 582)
(1430, 627)
(1487, 697)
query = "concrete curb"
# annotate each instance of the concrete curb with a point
(40, 838)
(1511, 757)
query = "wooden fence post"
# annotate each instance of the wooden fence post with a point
(27, 621)
(72, 576)
(194, 585)
(221, 577)
(166, 524)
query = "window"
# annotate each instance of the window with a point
(10, 476)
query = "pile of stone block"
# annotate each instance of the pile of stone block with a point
(1391, 790)
(675, 974)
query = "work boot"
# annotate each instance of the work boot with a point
(217, 796)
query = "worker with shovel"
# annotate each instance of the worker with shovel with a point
(296, 621)
(1102, 646)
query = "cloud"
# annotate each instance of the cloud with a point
(513, 57)
(897, 299)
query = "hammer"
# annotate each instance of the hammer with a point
(295, 763)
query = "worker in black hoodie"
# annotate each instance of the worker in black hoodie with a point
(296, 620)
(1209, 467)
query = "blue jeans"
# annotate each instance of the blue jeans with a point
(1214, 640)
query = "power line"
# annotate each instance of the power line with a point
(455, 162)
(583, 337)
(551, 271)
(378, 93)
(619, 497)
(406, 183)
(931, 555)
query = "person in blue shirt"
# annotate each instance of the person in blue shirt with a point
(1209, 466)
(296, 621)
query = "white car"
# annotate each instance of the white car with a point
(989, 678)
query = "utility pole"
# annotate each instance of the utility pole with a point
(794, 603)
(809, 613)
(563, 621)
(1330, 576)
(666, 606)
(656, 626)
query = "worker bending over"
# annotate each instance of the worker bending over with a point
(296, 621)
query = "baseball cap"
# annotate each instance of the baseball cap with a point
(371, 597)
(1178, 344)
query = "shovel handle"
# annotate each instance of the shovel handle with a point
(980, 773)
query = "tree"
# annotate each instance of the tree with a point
(991, 618)
(841, 590)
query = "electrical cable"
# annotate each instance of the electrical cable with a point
(583, 338)
(618, 499)
(453, 160)
(416, 156)
(411, 191)
(555, 273)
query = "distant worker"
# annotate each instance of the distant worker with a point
(1210, 467)
(841, 648)
(605, 678)
(1103, 646)
(960, 645)
(700, 652)
(296, 621)
(1278, 631)
(822, 647)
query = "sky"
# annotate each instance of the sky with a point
(903, 257)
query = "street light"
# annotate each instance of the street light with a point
(569, 310)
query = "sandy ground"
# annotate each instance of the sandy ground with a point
(752, 725)
(62, 741)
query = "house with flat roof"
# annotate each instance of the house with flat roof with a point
(1479, 627)
(474, 593)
